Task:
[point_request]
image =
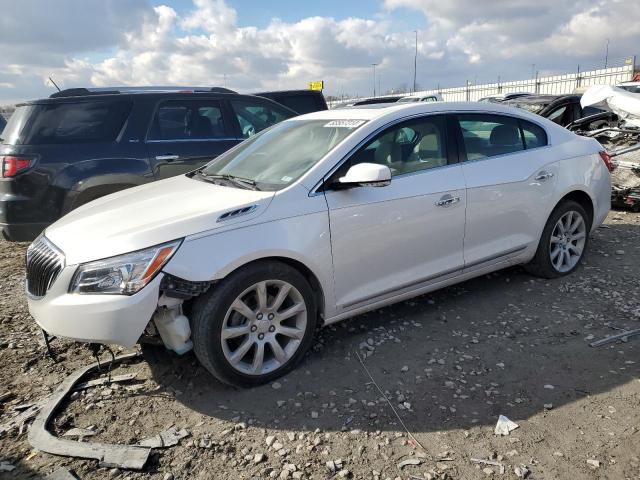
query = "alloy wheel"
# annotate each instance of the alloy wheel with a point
(264, 327)
(567, 242)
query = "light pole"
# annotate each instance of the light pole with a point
(415, 62)
(374, 78)
(606, 55)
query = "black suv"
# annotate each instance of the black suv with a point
(81, 144)
(301, 101)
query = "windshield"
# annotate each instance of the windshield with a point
(281, 154)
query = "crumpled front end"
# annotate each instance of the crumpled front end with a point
(93, 318)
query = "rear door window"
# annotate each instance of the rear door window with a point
(488, 135)
(177, 120)
(256, 116)
(60, 123)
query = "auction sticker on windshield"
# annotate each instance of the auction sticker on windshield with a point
(344, 123)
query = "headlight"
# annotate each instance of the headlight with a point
(125, 274)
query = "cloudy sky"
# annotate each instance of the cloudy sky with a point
(277, 44)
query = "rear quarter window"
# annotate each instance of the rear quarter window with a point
(60, 123)
(534, 135)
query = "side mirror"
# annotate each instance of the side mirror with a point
(366, 175)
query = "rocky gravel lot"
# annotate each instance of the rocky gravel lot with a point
(449, 363)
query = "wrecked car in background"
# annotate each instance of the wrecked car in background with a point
(622, 139)
(560, 109)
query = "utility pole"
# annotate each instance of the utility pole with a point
(415, 62)
(379, 89)
(606, 55)
(374, 78)
(533, 69)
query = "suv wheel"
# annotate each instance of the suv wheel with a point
(255, 325)
(563, 242)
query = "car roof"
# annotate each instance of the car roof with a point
(128, 95)
(372, 112)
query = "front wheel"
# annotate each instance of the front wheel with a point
(255, 325)
(563, 243)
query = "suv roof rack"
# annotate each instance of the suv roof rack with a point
(80, 92)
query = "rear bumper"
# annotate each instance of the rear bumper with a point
(22, 232)
(19, 216)
(107, 319)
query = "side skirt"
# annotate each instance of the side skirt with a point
(467, 274)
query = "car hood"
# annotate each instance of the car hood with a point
(150, 214)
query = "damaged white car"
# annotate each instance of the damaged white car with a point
(317, 219)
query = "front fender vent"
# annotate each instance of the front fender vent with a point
(230, 215)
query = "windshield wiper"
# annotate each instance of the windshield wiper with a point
(243, 182)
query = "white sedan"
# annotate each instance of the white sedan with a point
(315, 220)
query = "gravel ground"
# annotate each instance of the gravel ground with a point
(449, 362)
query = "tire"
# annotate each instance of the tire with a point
(546, 260)
(219, 310)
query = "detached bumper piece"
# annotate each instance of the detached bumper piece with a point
(109, 455)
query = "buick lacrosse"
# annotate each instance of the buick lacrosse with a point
(315, 220)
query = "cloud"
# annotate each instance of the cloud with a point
(102, 43)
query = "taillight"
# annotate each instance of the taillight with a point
(12, 166)
(606, 158)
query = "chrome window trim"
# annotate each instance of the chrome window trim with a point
(503, 155)
(187, 140)
(546, 132)
(314, 190)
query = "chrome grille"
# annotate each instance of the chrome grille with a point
(44, 264)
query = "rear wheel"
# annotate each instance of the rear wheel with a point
(563, 243)
(255, 325)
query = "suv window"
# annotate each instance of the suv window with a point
(254, 116)
(488, 135)
(408, 147)
(188, 120)
(56, 123)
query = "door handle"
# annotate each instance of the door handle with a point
(544, 175)
(447, 200)
(168, 158)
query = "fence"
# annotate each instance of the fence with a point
(552, 85)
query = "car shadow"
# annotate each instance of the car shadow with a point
(505, 343)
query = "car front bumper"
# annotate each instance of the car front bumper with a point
(107, 319)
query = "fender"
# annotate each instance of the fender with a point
(302, 239)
